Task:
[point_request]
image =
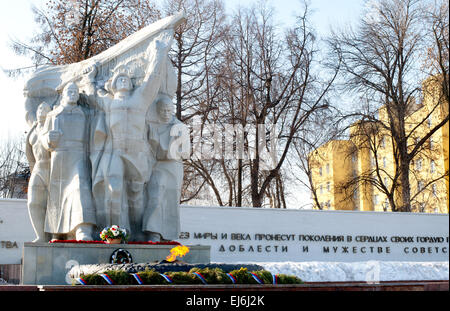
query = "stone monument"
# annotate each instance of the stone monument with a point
(104, 143)
(105, 149)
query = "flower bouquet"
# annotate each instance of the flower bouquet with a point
(114, 235)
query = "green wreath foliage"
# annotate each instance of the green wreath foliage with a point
(212, 276)
(151, 277)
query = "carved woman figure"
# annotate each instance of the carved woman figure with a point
(39, 159)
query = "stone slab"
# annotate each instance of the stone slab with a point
(49, 264)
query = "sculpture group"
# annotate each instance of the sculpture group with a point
(104, 144)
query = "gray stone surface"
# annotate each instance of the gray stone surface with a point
(45, 263)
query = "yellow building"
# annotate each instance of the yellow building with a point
(354, 174)
(332, 165)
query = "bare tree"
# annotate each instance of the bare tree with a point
(371, 145)
(270, 79)
(71, 31)
(319, 130)
(14, 169)
(380, 61)
(195, 53)
(436, 63)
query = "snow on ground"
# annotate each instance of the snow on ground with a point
(361, 271)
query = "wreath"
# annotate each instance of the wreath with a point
(120, 256)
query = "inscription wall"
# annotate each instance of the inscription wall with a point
(259, 235)
(247, 234)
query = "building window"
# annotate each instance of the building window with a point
(383, 142)
(328, 204)
(429, 122)
(434, 189)
(420, 185)
(321, 189)
(328, 186)
(375, 199)
(328, 169)
(386, 182)
(431, 143)
(422, 207)
(419, 164)
(432, 166)
(384, 162)
(386, 205)
(320, 171)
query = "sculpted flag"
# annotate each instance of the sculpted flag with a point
(48, 80)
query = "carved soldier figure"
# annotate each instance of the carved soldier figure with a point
(162, 216)
(70, 211)
(123, 167)
(39, 159)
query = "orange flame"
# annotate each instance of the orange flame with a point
(179, 250)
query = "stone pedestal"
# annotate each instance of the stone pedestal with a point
(49, 264)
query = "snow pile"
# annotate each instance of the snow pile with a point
(361, 271)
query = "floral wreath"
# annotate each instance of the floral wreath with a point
(120, 256)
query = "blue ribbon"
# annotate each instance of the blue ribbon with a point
(167, 278)
(232, 278)
(81, 281)
(201, 278)
(274, 279)
(138, 279)
(257, 279)
(107, 279)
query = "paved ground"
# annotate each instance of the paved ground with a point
(344, 286)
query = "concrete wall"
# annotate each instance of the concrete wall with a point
(15, 229)
(258, 235)
(248, 234)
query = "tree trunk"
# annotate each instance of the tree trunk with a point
(239, 185)
(405, 188)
